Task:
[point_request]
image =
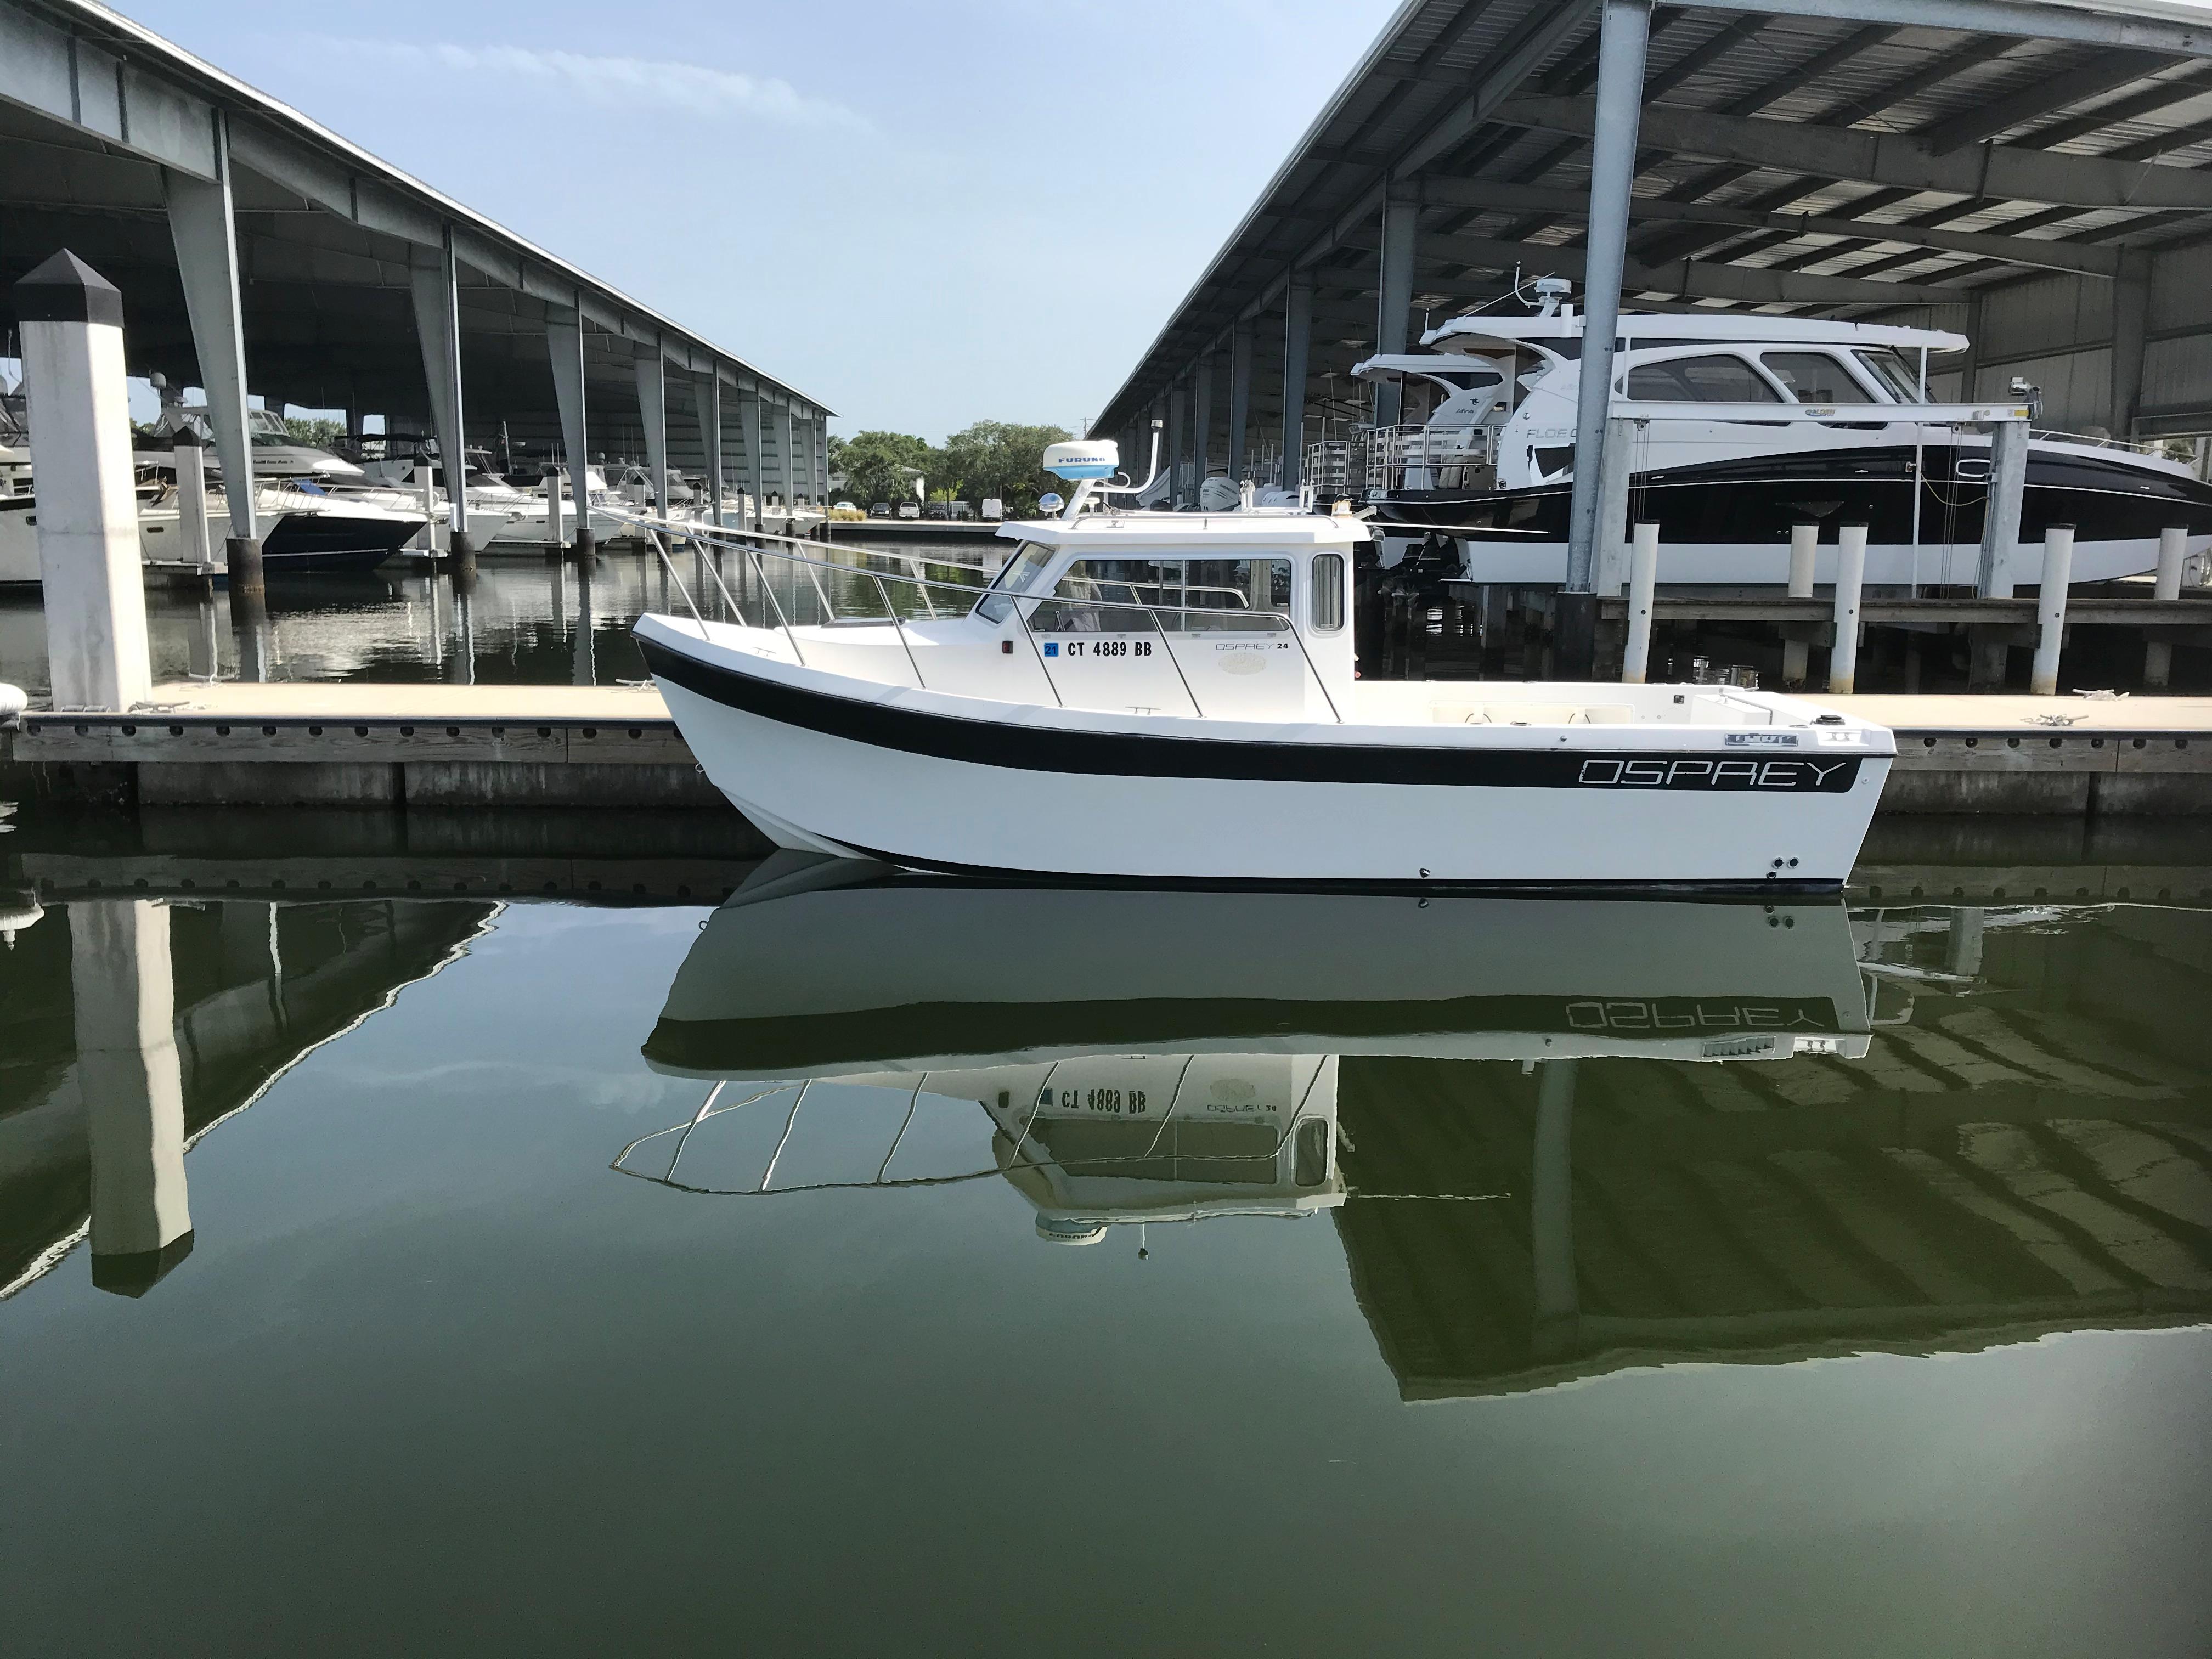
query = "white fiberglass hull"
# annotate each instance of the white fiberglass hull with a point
(928, 780)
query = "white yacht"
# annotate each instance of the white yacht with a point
(303, 533)
(1484, 453)
(1146, 697)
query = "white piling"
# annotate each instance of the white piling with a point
(1643, 578)
(2051, 608)
(554, 504)
(88, 559)
(2158, 654)
(1851, 574)
(189, 459)
(1804, 546)
(428, 474)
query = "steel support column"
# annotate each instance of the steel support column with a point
(1240, 395)
(1202, 414)
(564, 345)
(204, 228)
(1178, 436)
(1297, 346)
(653, 410)
(1626, 27)
(749, 420)
(434, 278)
(708, 392)
(2130, 321)
(1394, 299)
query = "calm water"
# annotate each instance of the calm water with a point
(525, 621)
(904, 1268)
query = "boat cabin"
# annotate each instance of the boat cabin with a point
(1238, 615)
(1492, 405)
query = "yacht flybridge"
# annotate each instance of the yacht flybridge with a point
(1486, 454)
(1148, 696)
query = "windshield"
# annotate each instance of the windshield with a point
(1024, 568)
(1896, 374)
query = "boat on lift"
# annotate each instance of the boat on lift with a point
(1484, 453)
(1171, 697)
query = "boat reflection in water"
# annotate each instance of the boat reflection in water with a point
(1556, 1137)
(1174, 1056)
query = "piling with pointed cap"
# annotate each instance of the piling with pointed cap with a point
(81, 461)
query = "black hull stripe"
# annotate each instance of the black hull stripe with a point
(1129, 755)
(877, 1034)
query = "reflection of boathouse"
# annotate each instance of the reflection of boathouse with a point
(2027, 1147)
(129, 1028)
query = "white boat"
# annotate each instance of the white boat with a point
(1183, 1063)
(303, 532)
(1146, 697)
(1484, 454)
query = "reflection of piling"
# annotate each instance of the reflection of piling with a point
(126, 1018)
(1804, 548)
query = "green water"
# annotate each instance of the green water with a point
(1896, 1346)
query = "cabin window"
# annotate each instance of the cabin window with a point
(1815, 377)
(1716, 379)
(1024, 568)
(1894, 372)
(1310, 1161)
(1327, 593)
(1176, 596)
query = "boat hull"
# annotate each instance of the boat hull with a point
(963, 786)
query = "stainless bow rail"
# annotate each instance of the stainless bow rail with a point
(1025, 606)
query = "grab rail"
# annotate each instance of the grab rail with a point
(655, 527)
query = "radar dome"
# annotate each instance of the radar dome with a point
(1085, 457)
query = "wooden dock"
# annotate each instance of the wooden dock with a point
(409, 747)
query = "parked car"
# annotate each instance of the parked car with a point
(937, 510)
(880, 510)
(993, 508)
(909, 509)
(846, 512)
(960, 510)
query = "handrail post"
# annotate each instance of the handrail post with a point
(1049, 683)
(669, 565)
(769, 588)
(1169, 650)
(884, 593)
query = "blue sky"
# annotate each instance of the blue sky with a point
(922, 214)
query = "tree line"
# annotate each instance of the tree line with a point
(999, 458)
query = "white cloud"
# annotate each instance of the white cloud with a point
(620, 81)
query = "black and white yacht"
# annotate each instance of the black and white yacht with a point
(1486, 454)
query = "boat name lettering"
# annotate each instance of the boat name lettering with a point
(1682, 1014)
(1708, 774)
